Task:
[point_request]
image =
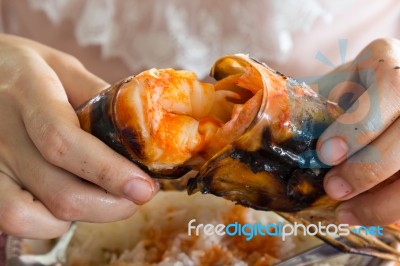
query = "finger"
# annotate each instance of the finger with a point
(23, 216)
(60, 140)
(83, 155)
(373, 111)
(79, 83)
(69, 198)
(367, 168)
(379, 207)
(65, 195)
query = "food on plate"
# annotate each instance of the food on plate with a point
(251, 137)
(158, 235)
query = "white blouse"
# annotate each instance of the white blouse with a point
(127, 36)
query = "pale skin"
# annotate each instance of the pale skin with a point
(45, 156)
(51, 171)
(363, 145)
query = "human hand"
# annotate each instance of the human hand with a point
(51, 171)
(363, 144)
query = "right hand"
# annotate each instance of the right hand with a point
(51, 171)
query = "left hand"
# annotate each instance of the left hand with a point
(363, 145)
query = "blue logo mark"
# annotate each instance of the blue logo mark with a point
(368, 231)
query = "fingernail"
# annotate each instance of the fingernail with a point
(347, 217)
(138, 190)
(333, 150)
(336, 187)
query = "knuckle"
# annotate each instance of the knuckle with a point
(55, 142)
(27, 62)
(372, 177)
(17, 61)
(367, 131)
(66, 61)
(18, 52)
(371, 173)
(71, 61)
(103, 177)
(66, 206)
(384, 42)
(362, 177)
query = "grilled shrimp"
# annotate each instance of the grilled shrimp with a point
(251, 138)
